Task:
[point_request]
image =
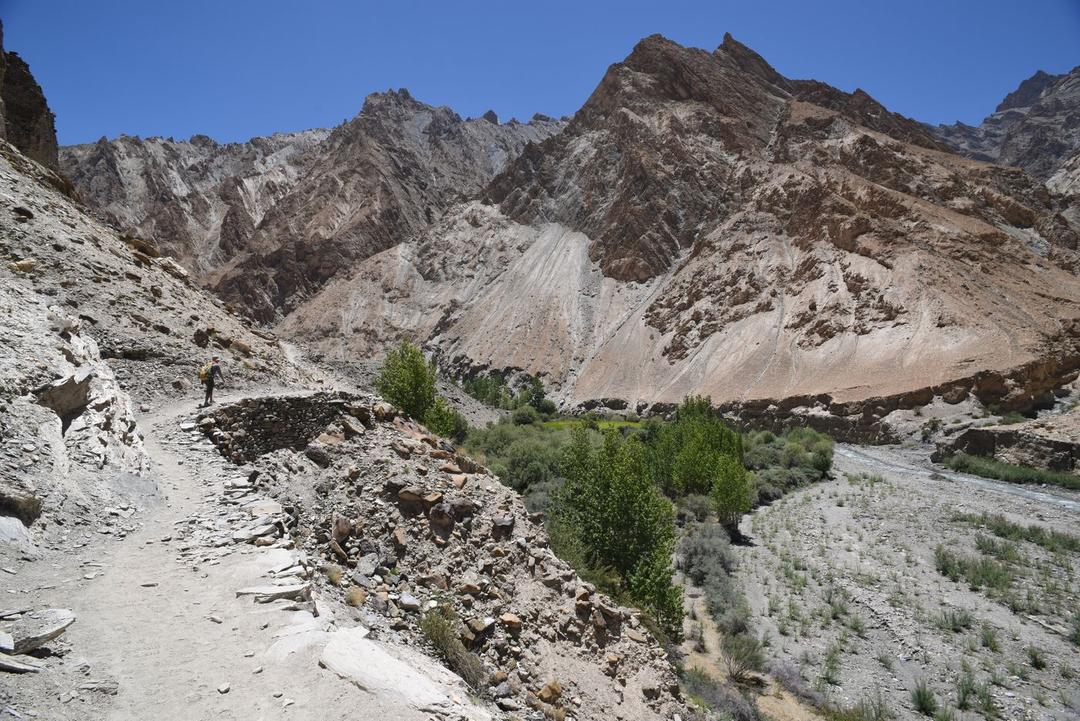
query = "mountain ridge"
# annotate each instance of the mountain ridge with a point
(701, 207)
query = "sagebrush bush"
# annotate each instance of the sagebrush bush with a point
(441, 627)
(742, 654)
(706, 557)
(791, 680)
(923, 699)
(719, 697)
(695, 506)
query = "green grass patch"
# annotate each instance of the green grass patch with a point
(603, 425)
(977, 572)
(997, 524)
(1001, 471)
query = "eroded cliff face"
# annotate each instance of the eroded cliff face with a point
(704, 225)
(267, 222)
(25, 119)
(199, 200)
(1036, 127)
(382, 177)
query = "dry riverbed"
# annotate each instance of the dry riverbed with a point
(893, 577)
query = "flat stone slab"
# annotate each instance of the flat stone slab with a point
(266, 594)
(37, 629)
(13, 665)
(261, 508)
(398, 675)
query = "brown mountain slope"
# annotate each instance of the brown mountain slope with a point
(380, 178)
(266, 222)
(703, 226)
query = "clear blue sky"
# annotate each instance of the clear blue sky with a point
(236, 68)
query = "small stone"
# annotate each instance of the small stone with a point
(223, 688)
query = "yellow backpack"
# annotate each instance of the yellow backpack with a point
(204, 373)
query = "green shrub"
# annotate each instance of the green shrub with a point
(442, 629)
(955, 620)
(620, 518)
(987, 707)
(830, 665)
(965, 691)
(742, 654)
(490, 390)
(993, 468)
(525, 415)
(978, 572)
(730, 492)
(1036, 657)
(1004, 550)
(784, 463)
(989, 639)
(923, 698)
(868, 708)
(522, 456)
(407, 380)
(445, 420)
(1002, 527)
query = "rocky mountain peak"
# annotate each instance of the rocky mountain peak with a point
(1036, 127)
(1028, 91)
(749, 61)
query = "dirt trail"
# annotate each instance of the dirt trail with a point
(160, 616)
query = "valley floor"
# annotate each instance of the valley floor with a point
(847, 581)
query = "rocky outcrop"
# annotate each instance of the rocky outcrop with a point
(1023, 445)
(1036, 127)
(27, 123)
(704, 225)
(84, 311)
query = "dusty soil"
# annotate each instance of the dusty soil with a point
(843, 581)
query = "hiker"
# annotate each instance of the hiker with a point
(207, 375)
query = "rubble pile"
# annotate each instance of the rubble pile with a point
(402, 525)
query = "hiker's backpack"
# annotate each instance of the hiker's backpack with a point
(204, 373)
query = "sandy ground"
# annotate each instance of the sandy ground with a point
(843, 582)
